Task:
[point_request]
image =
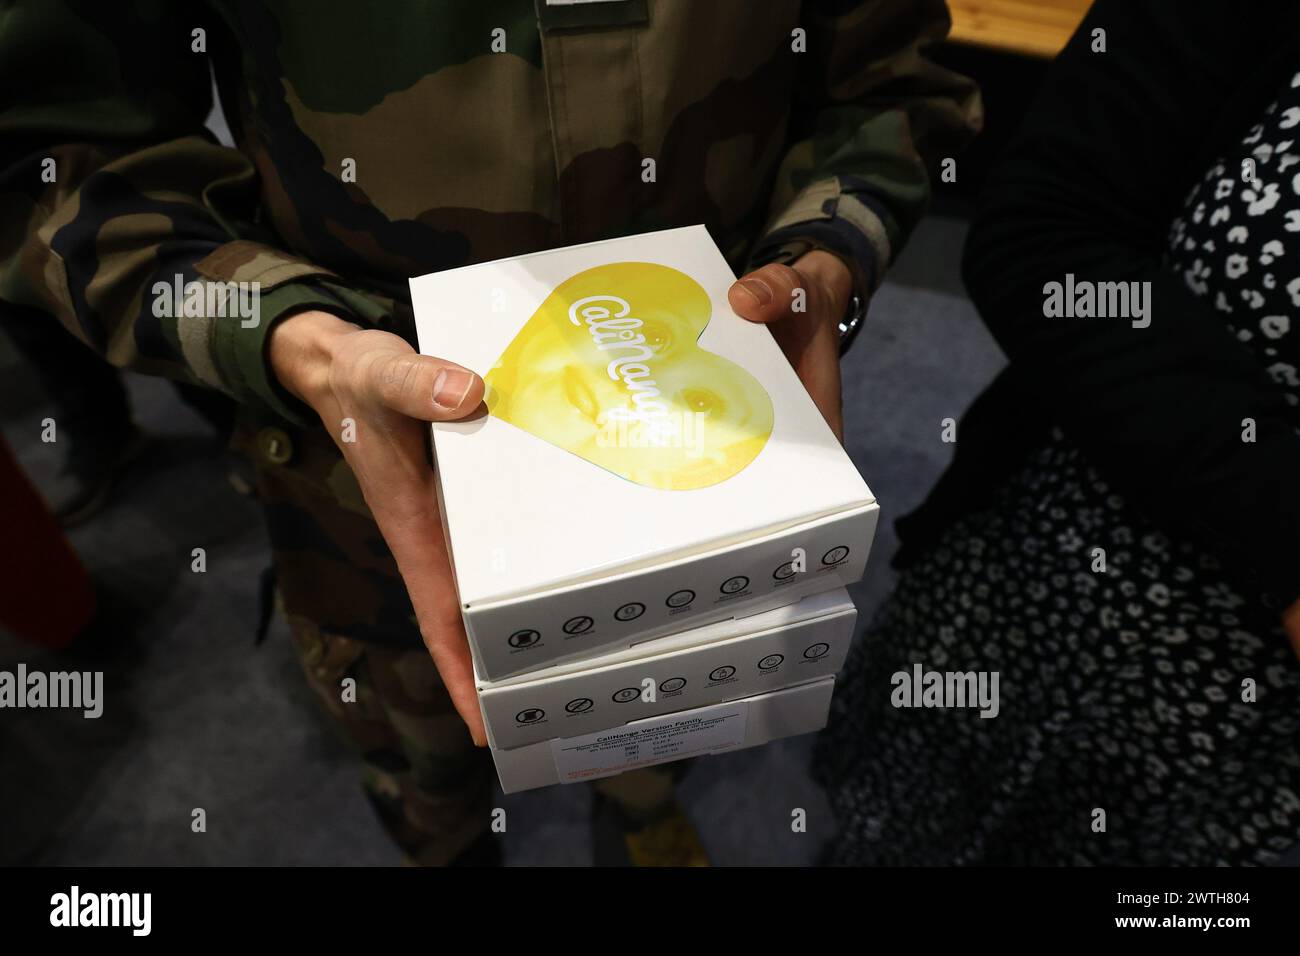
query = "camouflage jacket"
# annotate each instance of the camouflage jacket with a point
(378, 142)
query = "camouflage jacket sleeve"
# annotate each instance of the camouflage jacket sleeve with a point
(871, 118)
(113, 198)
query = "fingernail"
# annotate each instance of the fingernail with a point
(451, 386)
(759, 290)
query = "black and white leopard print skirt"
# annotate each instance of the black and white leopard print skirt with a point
(1148, 691)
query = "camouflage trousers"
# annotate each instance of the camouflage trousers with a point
(350, 617)
(429, 784)
(431, 787)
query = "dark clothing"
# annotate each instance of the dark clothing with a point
(1101, 543)
(1089, 187)
(87, 393)
(1122, 692)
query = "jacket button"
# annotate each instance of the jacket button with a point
(275, 446)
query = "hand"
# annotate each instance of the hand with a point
(810, 339)
(391, 392)
(1291, 623)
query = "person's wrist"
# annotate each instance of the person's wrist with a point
(301, 350)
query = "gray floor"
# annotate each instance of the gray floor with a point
(195, 716)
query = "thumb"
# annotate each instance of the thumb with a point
(768, 294)
(420, 386)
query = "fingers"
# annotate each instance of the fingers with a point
(802, 306)
(449, 649)
(399, 487)
(813, 350)
(394, 391)
(421, 554)
(765, 295)
(422, 387)
(385, 393)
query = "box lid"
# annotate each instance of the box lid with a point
(531, 497)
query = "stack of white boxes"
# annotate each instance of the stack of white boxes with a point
(651, 525)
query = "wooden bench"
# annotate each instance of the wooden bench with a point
(1028, 27)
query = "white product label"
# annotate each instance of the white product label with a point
(642, 743)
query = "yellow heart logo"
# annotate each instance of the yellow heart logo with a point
(609, 368)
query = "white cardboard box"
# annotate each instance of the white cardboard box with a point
(628, 482)
(706, 665)
(718, 728)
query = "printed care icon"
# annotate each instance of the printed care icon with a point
(627, 695)
(578, 625)
(523, 638)
(835, 555)
(579, 705)
(630, 612)
(609, 368)
(726, 672)
(680, 598)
